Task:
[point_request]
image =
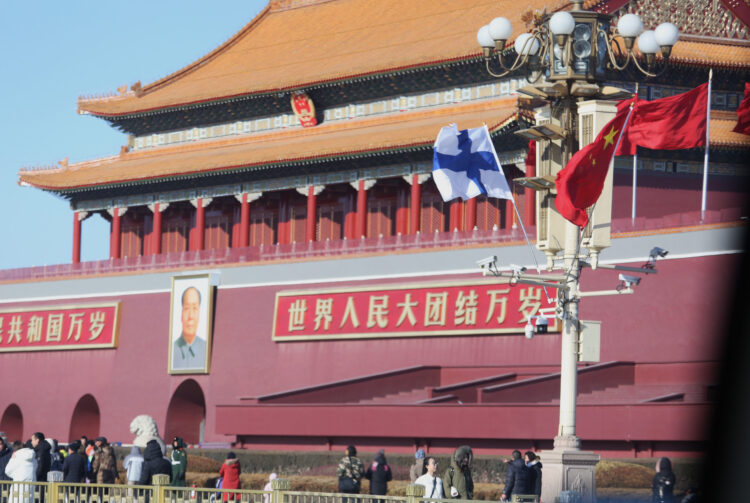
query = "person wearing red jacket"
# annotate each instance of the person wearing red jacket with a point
(230, 473)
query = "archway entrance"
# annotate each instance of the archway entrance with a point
(12, 423)
(85, 420)
(186, 414)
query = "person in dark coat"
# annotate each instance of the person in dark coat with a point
(74, 465)
(42, 454)
(5, 453)
(535, 473)
(516, 477)
(457, 479)
(662, 486)
(153, 463)
(379, 474)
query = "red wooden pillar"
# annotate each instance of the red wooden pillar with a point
(282, 237)
(200, 224)
(350, 218)
(416, 204)
(114, 243)
(402, 212)
(245, 222)
(156, 231)
(312, 213)
(508, 213)
(530, 213)
(77, 237)
(455, 215)
(361, 223)
(471, 214)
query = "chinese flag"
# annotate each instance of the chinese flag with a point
(671, 123)
(743, 113)
(580, 183)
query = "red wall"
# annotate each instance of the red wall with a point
(671, 318)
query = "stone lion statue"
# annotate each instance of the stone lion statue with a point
(144, 427)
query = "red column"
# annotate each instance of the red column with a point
(200, 225)
(508, 213)
(312, 213)
(282, 237)
(361, 225)
(530, 195)
(402, 212)
(76, 238)
(416, 204)
(156, 231)
(471, 214)
(114, 248)
(244, 222)
(350, 218)
(455, 215)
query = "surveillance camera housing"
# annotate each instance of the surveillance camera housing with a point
(630, 280)
(487, 262)
(517, 269)
(541, 325)
(529, 330)
(656, 251)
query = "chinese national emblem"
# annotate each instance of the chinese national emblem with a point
(304, 109)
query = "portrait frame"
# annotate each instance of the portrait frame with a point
(203, 332)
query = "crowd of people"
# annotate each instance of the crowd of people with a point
(94, 461)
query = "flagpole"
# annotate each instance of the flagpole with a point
(635, 173)
(635, 183)
(705, 157)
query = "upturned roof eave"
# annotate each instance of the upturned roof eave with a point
(316, 84)
(496, 129)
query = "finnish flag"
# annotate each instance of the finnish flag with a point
(465, 165)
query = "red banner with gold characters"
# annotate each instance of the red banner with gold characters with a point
(52, 328)
(428, 309)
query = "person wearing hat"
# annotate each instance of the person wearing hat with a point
(104, 464)
(350, 472)
(415, 471)
(230, 473)
(179, 462)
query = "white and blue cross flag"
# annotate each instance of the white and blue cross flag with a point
(465, 165)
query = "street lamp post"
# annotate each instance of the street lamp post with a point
(566, 57)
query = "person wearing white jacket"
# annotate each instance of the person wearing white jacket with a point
(21, 468)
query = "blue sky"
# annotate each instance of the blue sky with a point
(55, 51)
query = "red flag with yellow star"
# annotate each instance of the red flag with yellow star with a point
(580, 183)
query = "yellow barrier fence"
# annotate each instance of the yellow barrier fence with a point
(162, 492)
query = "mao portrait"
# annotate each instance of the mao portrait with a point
(190, 325)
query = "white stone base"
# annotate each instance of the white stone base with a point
(567, 468)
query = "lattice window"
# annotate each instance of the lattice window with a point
(381, 217)
(489, 212)
(330, 222)
(174, 237)
(434, 211)
(217, 232)
(131, 241)
(297, 221)
(263, 223)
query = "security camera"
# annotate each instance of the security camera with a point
(487, 265)
(541, 325)
(656, 251)
(528, 330)
(517, 269)
(630, 280)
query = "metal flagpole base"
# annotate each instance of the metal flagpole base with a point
(568, 468)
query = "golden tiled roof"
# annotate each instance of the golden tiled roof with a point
(263, 151)
(288, 48)
(721, 131)
(303, 43)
